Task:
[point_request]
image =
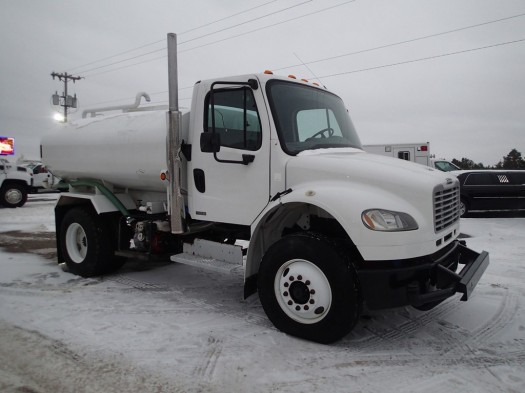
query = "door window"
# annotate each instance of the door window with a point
(404, 155)
(233, 115)
(479, 179)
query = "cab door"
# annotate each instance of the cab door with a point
(229, 171)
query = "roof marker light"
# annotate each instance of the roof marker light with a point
(292, 76)
(268, 72)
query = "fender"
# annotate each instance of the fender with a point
(100, 203)
(345, 204)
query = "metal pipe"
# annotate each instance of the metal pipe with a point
(124, 108)
(177, 209)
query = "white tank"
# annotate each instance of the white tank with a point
(127, 150)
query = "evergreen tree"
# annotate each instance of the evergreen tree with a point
(466, 163)
(513, 160)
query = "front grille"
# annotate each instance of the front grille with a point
(446, 208)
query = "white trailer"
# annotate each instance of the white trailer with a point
(274, 162)
(414, 152)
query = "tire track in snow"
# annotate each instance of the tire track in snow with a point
(136, 284)
(398, 333)
(502, 318)
(208, 360)
(181, 298)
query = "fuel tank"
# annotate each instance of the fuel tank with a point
(127, 150)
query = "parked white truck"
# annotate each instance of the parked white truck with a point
(42, 178)
(275, 162)
(443, 165)
(15, 183)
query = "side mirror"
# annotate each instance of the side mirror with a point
(210, 142)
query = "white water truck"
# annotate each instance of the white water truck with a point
(264, 174)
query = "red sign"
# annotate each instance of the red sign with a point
(7, 146)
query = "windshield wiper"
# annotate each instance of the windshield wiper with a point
(328, 146)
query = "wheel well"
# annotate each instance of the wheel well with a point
(288, 219)
(21, 183)
(110, 219)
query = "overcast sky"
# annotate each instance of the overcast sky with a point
(464, 100)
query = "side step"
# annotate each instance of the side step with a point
(218, 257)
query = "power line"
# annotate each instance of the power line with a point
(116, 55)
(184, 32)
(129, 65)
(394, 64)
(422, 59)
(228, 17)
(248, 21)
(342, 55)
(124, 60)
(402, 42)
(217, 41)
(272, 25)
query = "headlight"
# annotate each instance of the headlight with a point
(386, 220)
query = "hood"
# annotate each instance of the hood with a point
(356, 166)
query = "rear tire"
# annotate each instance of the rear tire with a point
(308, 290)
(13, 195)
(85, 243)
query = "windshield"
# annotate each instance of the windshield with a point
(308, 118)
(445, 166)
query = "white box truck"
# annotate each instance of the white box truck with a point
(277, 163)
(414, 152)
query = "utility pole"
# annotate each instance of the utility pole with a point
(65, 100)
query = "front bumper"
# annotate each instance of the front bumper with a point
(422, 282)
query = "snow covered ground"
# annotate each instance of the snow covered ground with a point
(173, 328)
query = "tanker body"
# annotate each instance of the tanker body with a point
(127, 151)
(265, 175)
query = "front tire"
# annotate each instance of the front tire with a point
(13, 195)
(85, 243)
(308, 289)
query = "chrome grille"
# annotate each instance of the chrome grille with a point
(446, 208)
